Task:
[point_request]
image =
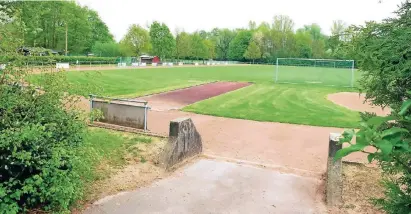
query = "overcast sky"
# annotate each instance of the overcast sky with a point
(192, 15)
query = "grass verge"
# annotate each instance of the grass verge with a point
(108, 159)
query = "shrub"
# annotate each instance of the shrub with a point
(386, 80)
(51, 60)
(38, 140)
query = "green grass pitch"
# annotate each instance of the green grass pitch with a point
(263, 101)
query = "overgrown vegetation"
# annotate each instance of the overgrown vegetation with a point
(51, 60)
(387, 79)
(40, 134)
(102, 153)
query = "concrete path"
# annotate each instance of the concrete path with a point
(209, 186)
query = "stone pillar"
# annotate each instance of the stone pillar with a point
(334, 172)
(184, 142)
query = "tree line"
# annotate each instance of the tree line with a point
(45, 24)
(263, 42)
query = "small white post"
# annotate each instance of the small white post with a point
(276, 72)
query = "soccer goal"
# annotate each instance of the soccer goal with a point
(315, 71)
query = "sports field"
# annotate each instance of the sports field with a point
(303, 103)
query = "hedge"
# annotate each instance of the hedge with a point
(46, 60)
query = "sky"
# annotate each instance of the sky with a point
(192, 15)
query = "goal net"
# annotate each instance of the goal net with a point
(315, 71)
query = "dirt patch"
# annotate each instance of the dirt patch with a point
(356, 102)
(180, 98)
(278, 145)
(360, 184)
(140, 170)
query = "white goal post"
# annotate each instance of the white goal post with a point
(320, 71)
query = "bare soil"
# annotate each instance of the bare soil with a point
(180, 98)
(356, 102)
(361, 183)
(139, 171)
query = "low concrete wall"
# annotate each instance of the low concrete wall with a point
(120, 113)
(184, 142)
(334, 172)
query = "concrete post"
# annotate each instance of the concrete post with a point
(184, 142)
(334, 172)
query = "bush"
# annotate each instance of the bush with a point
(51, 60)
(386, 80)
(38, 141)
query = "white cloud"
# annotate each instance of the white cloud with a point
(195, 15)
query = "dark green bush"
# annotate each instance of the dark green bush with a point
(51, 60)
(38, 140)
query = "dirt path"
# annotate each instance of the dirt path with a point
(356, 102)
(291, 148)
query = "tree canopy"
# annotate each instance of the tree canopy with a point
(162, 40)
(45, 23)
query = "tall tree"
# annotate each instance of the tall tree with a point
(137, 39)
(239, 45)
(211, 54)
(183, 45)
(303, 43)
(223, 39)
(253, 51)
(282, 35)
(45, 24)
(199, 50)
(99, 30)
(162, 40)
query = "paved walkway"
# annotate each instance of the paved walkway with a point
(210, 186)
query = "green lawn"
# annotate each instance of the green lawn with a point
(136, 82)
(264, 101)
(299, 104)
(315, 75)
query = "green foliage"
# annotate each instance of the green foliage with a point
(110, 49)
(198, 48)
(51, 60)
(38, 140)
(45, 25)
(391, 138)
(183, 46)
(162, 40)
(137, 40)
(253, 51)
(386, 81)
(223, 39)
(211, 52)
(239, 45)
(385, 60)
